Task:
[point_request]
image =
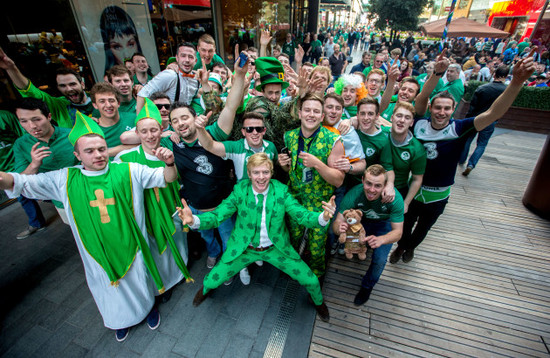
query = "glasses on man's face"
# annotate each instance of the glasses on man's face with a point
(252, 63)
(162, 105)
(252, 129)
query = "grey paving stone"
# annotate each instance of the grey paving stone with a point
(195, 333)
(217, 338)
(239, 346)
(46, 308)
(10, 334)
(262, 338)
(180, 318)
(298, 334)
(255, 308)
(29, 342)
(107, 346)
(74, 350)
(56, 318)
(66, 287)
(58, 341)
(140, 337)
(78, 295)
(84, 312)
(91, 332)
(161, 346)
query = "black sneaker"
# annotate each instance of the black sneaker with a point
(153, 319)
(121, 334)
(362, 296)
(408, 256)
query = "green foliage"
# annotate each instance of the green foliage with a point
(533, 97)
(528, 97)
(398, 15)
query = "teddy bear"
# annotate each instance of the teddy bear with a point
(355, 235)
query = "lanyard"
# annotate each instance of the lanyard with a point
(301, 144)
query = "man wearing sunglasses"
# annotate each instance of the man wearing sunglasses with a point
(163, 103)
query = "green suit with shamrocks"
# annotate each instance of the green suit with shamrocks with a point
(281, 255)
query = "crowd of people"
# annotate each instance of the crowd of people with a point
(264, 160)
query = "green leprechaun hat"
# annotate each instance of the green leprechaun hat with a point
(149, 110)
(84, 125)
(270, 71)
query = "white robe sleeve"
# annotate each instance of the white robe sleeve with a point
(148, 177)
(44, 186)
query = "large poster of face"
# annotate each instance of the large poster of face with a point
(114, 30)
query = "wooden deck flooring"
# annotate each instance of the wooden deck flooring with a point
(479, 285)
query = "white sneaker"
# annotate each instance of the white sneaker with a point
(245, 276)
(259, 263)
(210, 262)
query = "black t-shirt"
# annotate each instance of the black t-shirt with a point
(205, 176)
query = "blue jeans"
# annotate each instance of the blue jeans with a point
(225, 228)
(32, 209)
(379, 255)
(483, 137)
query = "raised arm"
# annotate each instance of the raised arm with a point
(393, 74)
(234, 98)
(265, 39)
(521, 72)
(16, 76)
(421, 101)
(205, 139)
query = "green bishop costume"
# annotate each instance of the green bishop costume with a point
(166, 238)
(106, 215)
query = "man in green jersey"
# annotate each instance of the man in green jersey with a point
(120, 77)
(375, 142)
(408, 154)
(113, 123)
(44, 148)
(69, 83)
(383, 223)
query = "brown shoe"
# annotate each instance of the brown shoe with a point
(467, 171)
(396, 255)
(322, 311)
(199, 297)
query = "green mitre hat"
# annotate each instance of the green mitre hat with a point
(149, 110)
(84, 125)
(271, 71)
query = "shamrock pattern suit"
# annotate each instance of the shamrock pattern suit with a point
(281, 255)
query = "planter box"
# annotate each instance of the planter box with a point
(521, 119)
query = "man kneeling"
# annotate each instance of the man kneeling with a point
(260, 232)
(383, 223)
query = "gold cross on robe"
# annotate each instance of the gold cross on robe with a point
(157, 196)
(102, 203)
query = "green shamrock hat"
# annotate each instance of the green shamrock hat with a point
(271, 71)
(149, 110)
(84, 125)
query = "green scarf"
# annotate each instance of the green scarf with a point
(106, 223)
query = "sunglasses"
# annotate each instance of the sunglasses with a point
(252, 129)
(162, 105)
(252, 63)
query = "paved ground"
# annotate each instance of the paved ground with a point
(47, 309)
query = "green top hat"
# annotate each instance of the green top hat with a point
(270, 71)
(84, 125)
(149, 110)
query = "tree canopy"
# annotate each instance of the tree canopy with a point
(399, 15)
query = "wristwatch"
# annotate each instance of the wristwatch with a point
(350, 168)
